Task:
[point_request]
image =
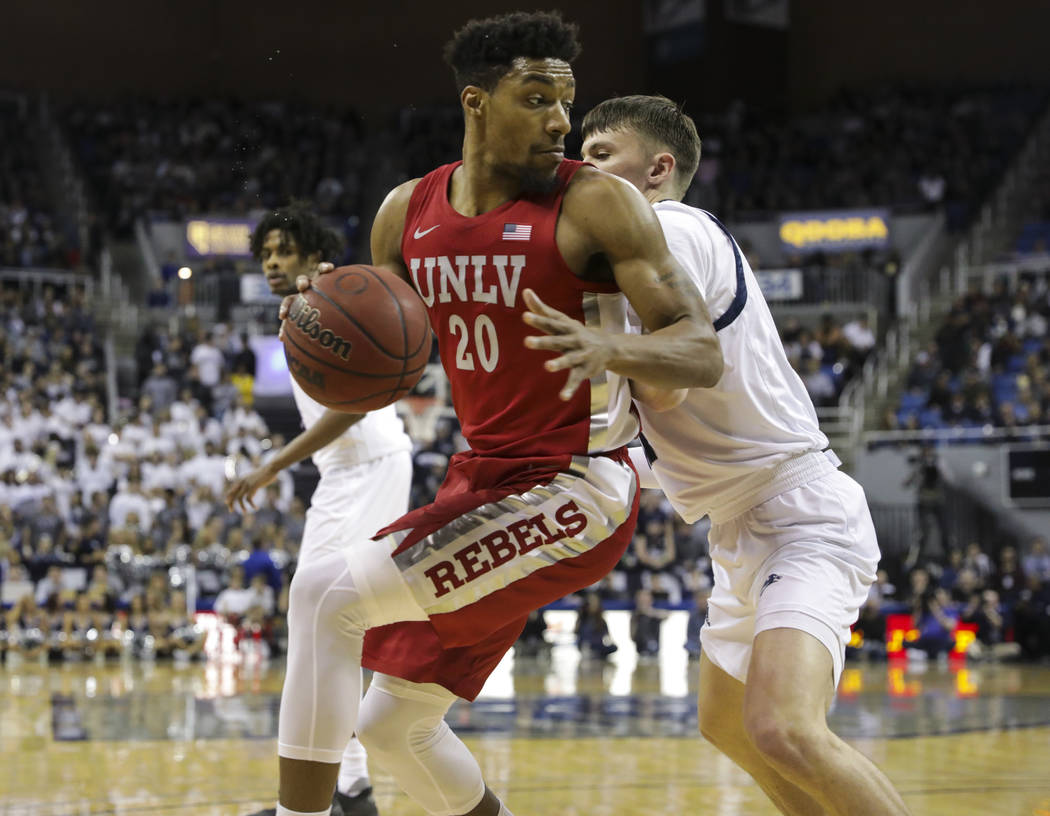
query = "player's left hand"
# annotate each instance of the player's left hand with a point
(240, 494)
(586, 351)
(302, 283)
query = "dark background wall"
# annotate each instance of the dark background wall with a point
(387, 52)
(373, 54)
(836, 43)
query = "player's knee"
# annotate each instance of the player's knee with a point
(306, 589)
(380, 736)
(786, 741)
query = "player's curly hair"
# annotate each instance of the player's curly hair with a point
(298, 220)
(656, 119)
(483, 51)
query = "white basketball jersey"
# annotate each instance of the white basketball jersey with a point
(378, 434)
(723, 442)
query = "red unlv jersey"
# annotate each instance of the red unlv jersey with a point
(471, 272)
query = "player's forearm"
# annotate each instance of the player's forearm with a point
(327, 429)
(681, 355)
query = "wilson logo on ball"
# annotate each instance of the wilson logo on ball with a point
(307, 319)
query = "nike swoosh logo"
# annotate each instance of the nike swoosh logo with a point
(420, 233)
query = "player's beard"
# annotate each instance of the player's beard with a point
(537, 182)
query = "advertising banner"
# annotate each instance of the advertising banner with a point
(834, 230)
(780, 284)
(230, 237)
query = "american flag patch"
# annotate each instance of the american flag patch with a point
(517, 232)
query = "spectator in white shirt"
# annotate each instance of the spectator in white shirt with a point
(97, 429)
(207, 468)
(859, 335)
(94, 472)
(184, 409)
(201, 506)
(244, 421)
(130, 499)
(236, 599)
(22, 457)
(209, 361)
(207, 429)
(29, 423)
(73, 411)
(54, 425)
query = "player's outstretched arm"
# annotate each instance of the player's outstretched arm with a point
(331, 425)
(606, 217)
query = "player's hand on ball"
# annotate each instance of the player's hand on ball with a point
(302, 283)
(585, 352)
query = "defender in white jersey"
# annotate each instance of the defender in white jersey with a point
(793, 546)
(364, 460)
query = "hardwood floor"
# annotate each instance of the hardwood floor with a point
(554, 737)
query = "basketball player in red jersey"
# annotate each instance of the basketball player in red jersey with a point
(511, 240)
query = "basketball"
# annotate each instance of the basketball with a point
(357, 339)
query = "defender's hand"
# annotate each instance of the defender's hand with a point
(243, 490)
(586, 352)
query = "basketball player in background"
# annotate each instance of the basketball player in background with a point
(792, 543)
(364, 460)
(545, 501)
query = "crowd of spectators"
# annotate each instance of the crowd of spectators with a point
(989, 364)
(106, 528)
(908, 148)
(178, 158)
(827, 356)
(1006, 597)
(911, 149)
(29, 234)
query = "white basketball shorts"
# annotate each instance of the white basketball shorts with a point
(352, 503)
(801, 560)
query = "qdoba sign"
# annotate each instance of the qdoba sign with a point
(219, 236)
(832, 230)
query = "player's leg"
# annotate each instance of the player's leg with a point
(367, 497)
(721, 708)
(559, 536)
(349, 505)
(789, 689)
(806, 593)
(726, 638)
(402, 724)
(328, 614)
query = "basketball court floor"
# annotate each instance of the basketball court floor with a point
(556, 736)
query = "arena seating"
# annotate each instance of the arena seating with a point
(988, 364)
(29, 233)
(178, 158)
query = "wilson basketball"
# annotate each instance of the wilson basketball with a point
(357, 339)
